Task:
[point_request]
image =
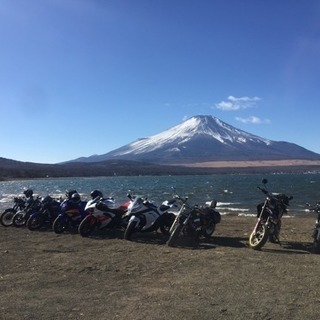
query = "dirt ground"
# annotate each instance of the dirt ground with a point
(49, 276)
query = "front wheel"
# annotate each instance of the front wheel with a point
(130, 230)
(59, 225)
(87, 226)
(259, 237)
(6, 217)
(19, 219)
(35, 222)
(167, 223)
(174, 235)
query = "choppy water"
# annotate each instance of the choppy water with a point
(236, 194)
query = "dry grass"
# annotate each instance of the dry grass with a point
(49, 276)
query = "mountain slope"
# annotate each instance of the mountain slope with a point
(204, 138)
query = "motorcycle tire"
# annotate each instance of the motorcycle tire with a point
(86, 227)
(174, 235)
(316, 247)
(59, 225)
(19, 219)
(130, 230)
(6, 218)
(259, 238)
(316, 241)
(273, 238)
(167, 223)
(207, 231)
(35, 222)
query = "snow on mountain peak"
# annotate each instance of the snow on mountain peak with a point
(195, 126)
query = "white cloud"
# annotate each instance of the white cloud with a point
(253, 119)
(233, 103)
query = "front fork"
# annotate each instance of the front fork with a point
(316, 231)
(260, 221)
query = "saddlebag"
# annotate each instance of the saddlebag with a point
(209, 213)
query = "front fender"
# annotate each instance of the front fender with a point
(135, 219)
(63, 216)
(34, 214)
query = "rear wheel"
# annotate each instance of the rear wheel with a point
(130, 230)
(59, 225)
(274, 237)
(86, 226)
(259, 237)
(316, 241)
(208, 230)
(174, 235)
(6, 217)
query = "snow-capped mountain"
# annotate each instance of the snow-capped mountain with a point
(201, 139)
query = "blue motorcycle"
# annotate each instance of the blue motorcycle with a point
(48, 212)
(71, 214)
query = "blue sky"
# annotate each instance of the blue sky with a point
(83, 77)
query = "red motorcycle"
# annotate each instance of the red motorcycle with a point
(102, 213)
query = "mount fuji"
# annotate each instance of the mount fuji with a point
(202, 139)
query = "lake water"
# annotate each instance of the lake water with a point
(235, 194)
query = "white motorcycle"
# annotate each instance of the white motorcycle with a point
(146, 216)
(102, 213)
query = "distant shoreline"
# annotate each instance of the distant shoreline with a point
(20, 171)
(251, 163)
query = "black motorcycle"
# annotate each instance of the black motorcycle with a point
(21, 217)
(47, 213)
(316, 230)
(194, 220)
(269, 214)
(6, 218)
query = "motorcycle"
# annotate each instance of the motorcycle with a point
(269, 214)
(49, 210)
(71, 214)
(102, 213)
(6, 218)
(146, 216)
(21, 217)
(316, 230)
(194, 220)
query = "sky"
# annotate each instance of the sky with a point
(84, 77)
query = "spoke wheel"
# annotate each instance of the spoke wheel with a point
(258, 238)
(6, 218)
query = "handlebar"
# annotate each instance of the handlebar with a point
(263, 190)
(273, 196)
